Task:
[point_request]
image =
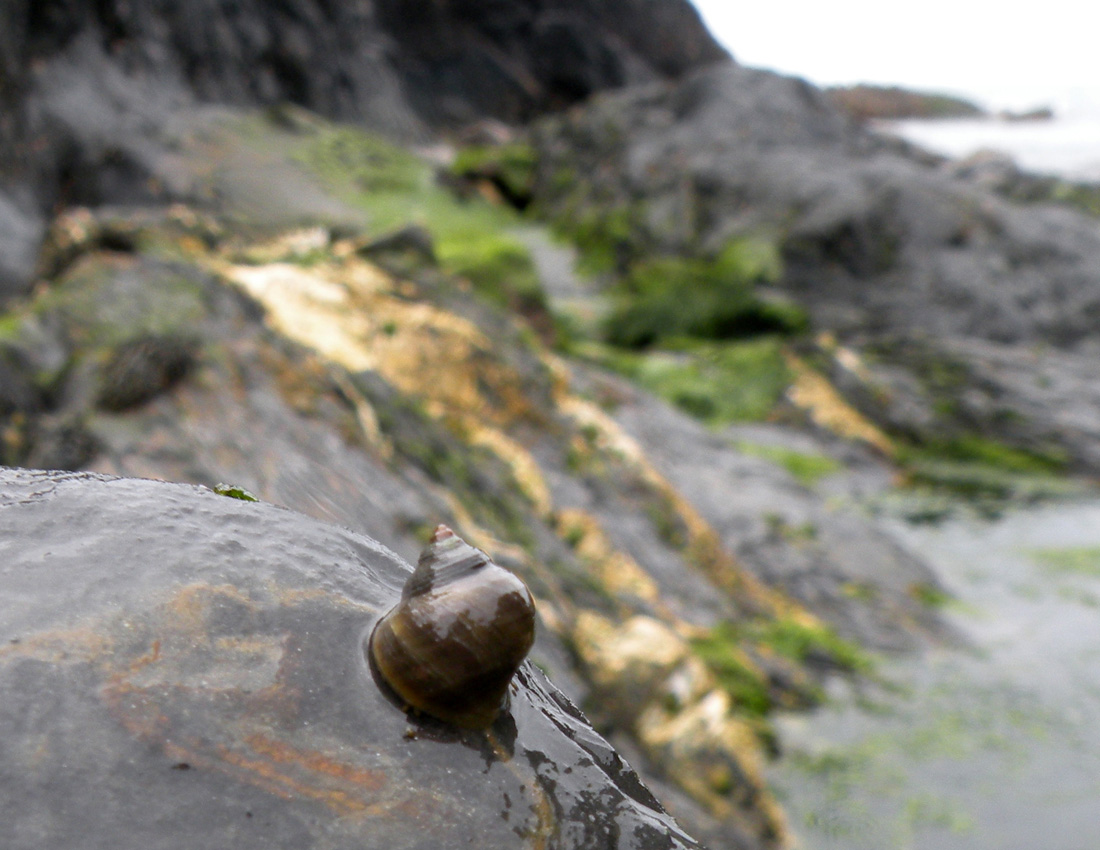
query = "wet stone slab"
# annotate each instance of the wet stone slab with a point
(182, 669)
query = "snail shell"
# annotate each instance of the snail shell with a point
(463, 626)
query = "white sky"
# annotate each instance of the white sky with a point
(1002, 54)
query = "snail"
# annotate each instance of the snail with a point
(461, 629)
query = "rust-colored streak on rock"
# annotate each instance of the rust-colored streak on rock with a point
(137, 711)
(151, 657)
(191, 606)
(67, 646)
(265, 774)
(368, 780)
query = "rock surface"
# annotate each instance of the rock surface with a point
(88, 87)
(304, 311)
(879, 241)
(179, 667)
(388, 402)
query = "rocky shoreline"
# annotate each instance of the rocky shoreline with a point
(349, 320)
(892, 103)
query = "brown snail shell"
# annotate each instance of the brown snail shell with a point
(452, 643)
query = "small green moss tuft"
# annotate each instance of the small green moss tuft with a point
(929, 595)
(498, 266)
(234, 492)
(371, 163)
(804, 643)
(607, 241)
(394, 187)
(510, 167)
(975, 449)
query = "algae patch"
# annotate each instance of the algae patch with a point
(1081, 561)
(667, 297)
(806, 467)
(717, 382)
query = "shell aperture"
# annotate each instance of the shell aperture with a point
(461, 629)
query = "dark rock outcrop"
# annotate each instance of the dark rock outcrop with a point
(87, 88)
(516, 59)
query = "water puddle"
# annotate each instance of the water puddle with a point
(992, 748)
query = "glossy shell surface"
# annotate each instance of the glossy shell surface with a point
(179, 669)
(452, 644)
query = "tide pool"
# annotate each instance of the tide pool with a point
(993, 745)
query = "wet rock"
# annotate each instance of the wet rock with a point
(140, 369)
(18, 394)
(21, 233)
(870, 237)
(414, 240)
(93, 90)
(515, 60)
(834, 561)
(208, 659)
(65, 445)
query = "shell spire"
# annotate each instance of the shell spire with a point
(461, 629)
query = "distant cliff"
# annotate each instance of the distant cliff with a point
(865, 102)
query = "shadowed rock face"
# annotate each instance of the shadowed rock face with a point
(86, 87)
(514, 59)
(183, 669)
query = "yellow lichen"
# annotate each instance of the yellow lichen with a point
(615, 570)
(714, 756)
(358, 316)
(701, 544)
(649, 677)
(525, 469)
(828, 410)
(637, 655)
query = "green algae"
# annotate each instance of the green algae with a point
(366, 162)
(1079, 561)
(993, 454)
(811, 643)
(807, 467)
(510, 166)
(498, 266)
(232, 491)
(718, 383)
(394, 187)
(667, 297)
(721, 651)
(472, 237)
(607, 241)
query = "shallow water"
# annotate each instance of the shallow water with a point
(995, 747)
(1068, 147)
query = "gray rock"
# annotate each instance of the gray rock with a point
(878, 239)
(871, 237)
(21, 232)
(181, 668)
(831, 558)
